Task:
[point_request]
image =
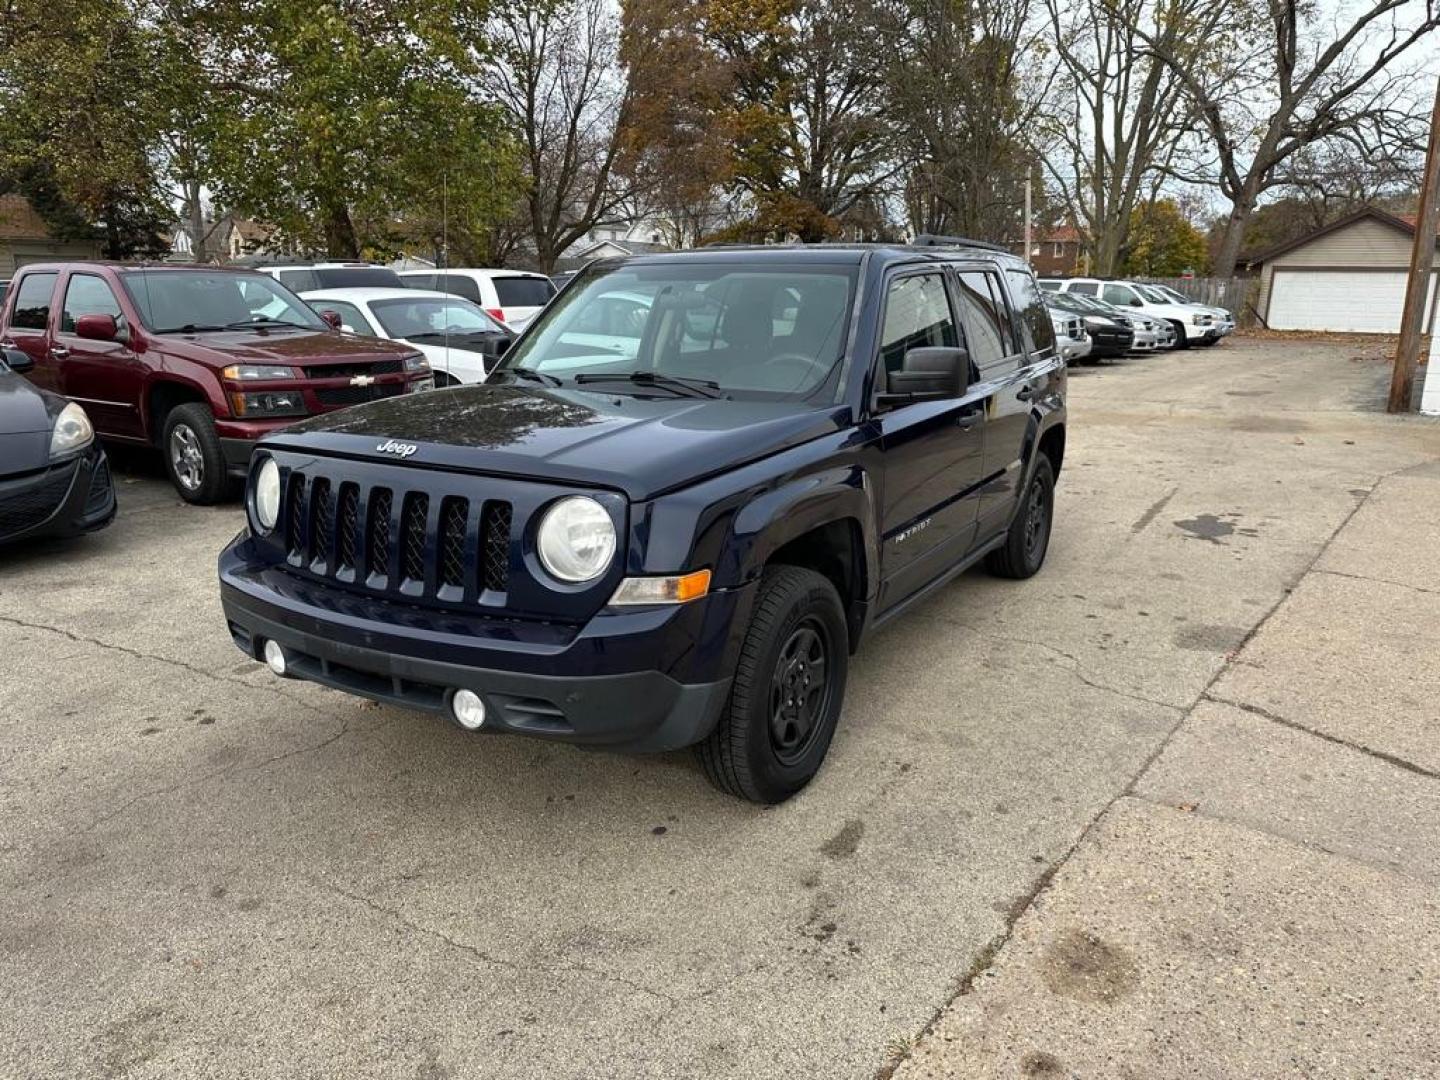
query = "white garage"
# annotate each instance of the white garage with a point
(1348, 277)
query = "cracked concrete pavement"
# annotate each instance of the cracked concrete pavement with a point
(205, 871)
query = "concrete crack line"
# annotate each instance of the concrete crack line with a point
(1380, 581)
(1294, 725)
(489, 958)
(987, 956)
(138, 655)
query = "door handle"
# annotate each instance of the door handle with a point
(968, 419)
(59, 352)
(1025, 393)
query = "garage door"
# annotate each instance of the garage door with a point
(1360, 301)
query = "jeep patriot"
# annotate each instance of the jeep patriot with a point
(689, 490)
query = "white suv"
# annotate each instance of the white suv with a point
(512, 296)
(1192, 324)
(1224, 321)
(307, 277)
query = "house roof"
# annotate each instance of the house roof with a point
(19, 221)
(629, 247)
(1403, 223)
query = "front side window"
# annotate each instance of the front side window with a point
(203, 301)
(352, 321)
(32, 302)
(458, 285)
(1118, 294)
(983, 327)
(917, 314)
(755, 331)
(1035, 325)
(87, 294)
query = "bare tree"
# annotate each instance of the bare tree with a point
(1118, 114)
(559, 78)
(1307, 77)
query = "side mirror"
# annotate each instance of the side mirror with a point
(17, 361)
(931, 371)
(1136, 303)
(333, 319)
(97, 327)
(502, 346)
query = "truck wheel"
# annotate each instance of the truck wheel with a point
(1023, 552)
(789, 685)
(1181, 340)
(192, 454)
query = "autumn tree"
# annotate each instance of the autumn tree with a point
(1162, 242)
(1301, 77)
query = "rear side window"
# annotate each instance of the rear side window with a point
(1085, 288)
(1035, 325)
(984, 329)
(87, 294)
(32, 302)
(523, 291)
(917, 314)
(1050, 286)
(357, 277)
(459, 285)
(418, 281)
(297, 281)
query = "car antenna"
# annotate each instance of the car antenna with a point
(445, 258)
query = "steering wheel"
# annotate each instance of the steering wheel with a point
(813, 366)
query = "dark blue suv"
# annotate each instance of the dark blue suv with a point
(684, 496)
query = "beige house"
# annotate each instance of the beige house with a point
(25, 238)
(1348, 276)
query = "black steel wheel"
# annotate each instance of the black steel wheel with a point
(1023, 552)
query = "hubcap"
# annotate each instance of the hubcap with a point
(799, 691)
(185, 457)
(1037, 525)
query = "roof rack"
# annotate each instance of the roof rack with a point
(936, 240)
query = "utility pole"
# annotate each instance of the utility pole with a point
(1029, 179)
(1422, 257)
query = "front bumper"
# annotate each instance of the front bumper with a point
(68, 499)
(650, 679)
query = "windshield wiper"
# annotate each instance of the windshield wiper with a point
(263, 320)
(533, 375)
(190, 328)
(691, 387)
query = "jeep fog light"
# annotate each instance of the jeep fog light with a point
(661, 590)
(468, 709)
(275, 657)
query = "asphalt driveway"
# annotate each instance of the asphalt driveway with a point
(205, 871)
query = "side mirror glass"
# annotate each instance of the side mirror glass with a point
(502, 346)
(929, 372)
(332, 318)
(1136, 303)
(17, 361)
(97, 327)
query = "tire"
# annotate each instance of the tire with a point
(1023, 552)
(1182, 341)
(193, 457)
(764, 748)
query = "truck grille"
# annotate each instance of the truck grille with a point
(347, 371)
(382, 539)
(357, 395)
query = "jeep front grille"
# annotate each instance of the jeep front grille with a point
(381, 539)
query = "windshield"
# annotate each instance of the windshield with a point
(1155, 296)
(199, 300)
(1068, 303)
(751, 331)
(426, 316)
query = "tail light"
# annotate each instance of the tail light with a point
(496, 313)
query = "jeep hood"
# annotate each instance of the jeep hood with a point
(642, 446)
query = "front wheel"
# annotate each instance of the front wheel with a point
(193, 457)
(1023, 552)
(1182, 340)
(788, 689)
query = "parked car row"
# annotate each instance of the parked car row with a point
(1155, 316)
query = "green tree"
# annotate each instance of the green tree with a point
(1162, 243)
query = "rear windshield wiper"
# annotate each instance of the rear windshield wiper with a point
(681, 385)
(533, 375)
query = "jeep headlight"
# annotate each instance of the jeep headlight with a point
(266, 498)
(72, 431)
(576, 540)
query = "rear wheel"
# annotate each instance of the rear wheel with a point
(1023, 552)
(788, 689)
(193, 457)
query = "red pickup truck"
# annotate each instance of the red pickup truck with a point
(197, 361)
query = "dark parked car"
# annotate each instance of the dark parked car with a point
(1110, 334)
(677, 537)
(197, 361)
(54, 479)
